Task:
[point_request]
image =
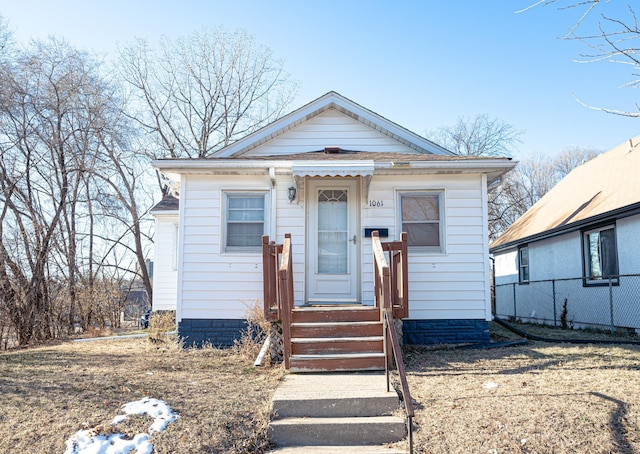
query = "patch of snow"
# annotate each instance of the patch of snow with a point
(489, 385)
(89, 442)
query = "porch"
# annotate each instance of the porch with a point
(336, 336)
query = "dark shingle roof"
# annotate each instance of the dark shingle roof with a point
(168, 203)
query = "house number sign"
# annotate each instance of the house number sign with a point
(375, 203)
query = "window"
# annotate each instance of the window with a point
(244, 221)
(523, 264)
(600, 254)
(421, 215)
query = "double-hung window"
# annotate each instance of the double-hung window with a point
(600, 254)
(245, 214)
(422, 218)
(523, 264)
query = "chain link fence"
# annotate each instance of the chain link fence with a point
(611, 304)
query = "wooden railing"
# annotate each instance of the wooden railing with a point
(270, 259)
(385, 287)
(277, 270)
(398, 273)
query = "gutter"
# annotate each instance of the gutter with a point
(619, 213)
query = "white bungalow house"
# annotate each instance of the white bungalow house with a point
(575, 245)
(329, 173)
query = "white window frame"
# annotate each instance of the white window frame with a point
(522, 266)
(226, 195)
(589, 279)
(441, 215)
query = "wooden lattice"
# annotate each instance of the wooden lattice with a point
(277, 342)
(398, 325)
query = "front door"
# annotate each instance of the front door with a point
(332, 241)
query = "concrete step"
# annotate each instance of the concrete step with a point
(336, 329)
(334, 395)
(337, 362)
(335, 314)
(315, 345)
(367, 430)
(382, 449)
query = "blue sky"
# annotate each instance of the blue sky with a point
(421, 64)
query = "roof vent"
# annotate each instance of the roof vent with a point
(331, 150)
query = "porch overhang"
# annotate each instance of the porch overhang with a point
(363, 169)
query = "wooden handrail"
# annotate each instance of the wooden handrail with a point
(384, 287)
(285, 287)
(270, 259)
(398, 267)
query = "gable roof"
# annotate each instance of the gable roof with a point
(604, 187)
(331, 100)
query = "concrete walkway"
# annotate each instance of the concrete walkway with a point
(336, 412)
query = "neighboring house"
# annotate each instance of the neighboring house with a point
(329, 173)
(165, 282)
(586, 227)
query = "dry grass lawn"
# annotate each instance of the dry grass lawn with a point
(549, 398)
(48, 393)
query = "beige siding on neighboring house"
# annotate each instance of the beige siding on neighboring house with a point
(165, 265)
(330, 128)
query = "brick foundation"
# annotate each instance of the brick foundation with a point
(425, 332)
(217, 332)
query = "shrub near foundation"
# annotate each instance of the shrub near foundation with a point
(162, 327)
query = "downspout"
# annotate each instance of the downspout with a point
(273, 203)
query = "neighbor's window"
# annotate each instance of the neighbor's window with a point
(421, 216)
(523, 264)
(600, 254)
(244, 221)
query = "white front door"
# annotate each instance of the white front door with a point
(333, 244)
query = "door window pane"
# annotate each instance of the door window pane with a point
(332, 232)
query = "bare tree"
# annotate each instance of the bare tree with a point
(523, 186)
(61, 139)
(200, 93)
(478, 136)
(608, 38)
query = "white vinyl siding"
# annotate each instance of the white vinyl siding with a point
(216, 284)
(451, 285)
(330, 128)
(165, 278)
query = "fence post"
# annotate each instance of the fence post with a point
(555, 318)
(515, 310)
(613, 329)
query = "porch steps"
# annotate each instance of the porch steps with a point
(335, 412)
(336, 338)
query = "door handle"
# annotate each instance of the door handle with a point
(354, 239)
